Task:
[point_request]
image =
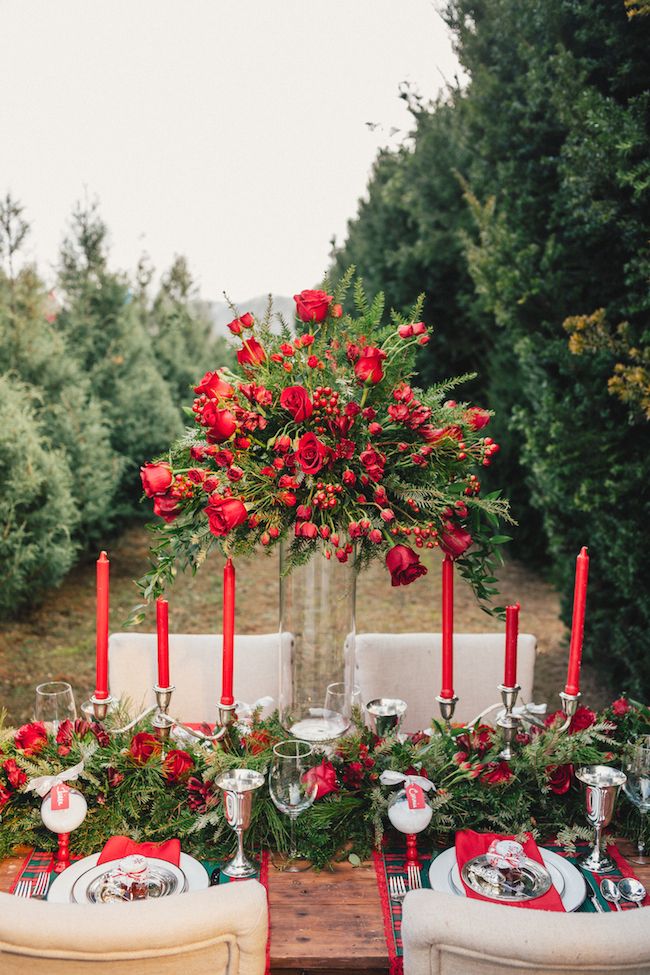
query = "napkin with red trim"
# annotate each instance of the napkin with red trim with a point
(119, 847)
(470, 844)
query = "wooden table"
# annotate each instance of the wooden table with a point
(327, 923)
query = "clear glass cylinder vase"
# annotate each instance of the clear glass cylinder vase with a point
(317, 603)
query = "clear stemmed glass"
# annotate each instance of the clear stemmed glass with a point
(54, 703)
(340, 701)
(290, 790)
(637, 788)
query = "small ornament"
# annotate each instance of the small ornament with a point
(408, 810)
(63, 810)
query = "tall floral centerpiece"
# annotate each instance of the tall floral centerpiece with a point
(322, 443)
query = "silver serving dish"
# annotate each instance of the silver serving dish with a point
(164, 879)
(534, 880)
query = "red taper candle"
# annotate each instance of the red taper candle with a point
(101, 644)
(512, 632)
(578, 623)
(447, 690)
(162, 625)
(228, 632)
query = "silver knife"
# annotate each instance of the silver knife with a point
(594, 896)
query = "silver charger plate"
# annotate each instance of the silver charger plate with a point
(165, 879)
(535, 881)
(60, 891)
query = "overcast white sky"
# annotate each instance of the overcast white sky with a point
(231, 132)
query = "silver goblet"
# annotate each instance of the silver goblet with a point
(385, 715)
(601, 789)
(238, 786)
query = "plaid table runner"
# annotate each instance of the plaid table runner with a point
(392, 863)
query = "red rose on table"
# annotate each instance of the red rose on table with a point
(497, 772)
(166, 508)
(213, 385)
(156, 478)
(177, 765)
(621, 707)
(477, 418)
(5, 796)
(295, 400)
(323, 777)
(143, 746)
(31, 738)
(311, 453)
(368, 366)
(221, 423)
(373, 462)
(312, 306)
(404, 565)
(252, 353)
(454, 541)
(581, 720)
(15, 775)
(224, 514)
(559, 778)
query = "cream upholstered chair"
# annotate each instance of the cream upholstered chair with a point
(219, 931)
(195, 670)
(446, 935)
(408, 666)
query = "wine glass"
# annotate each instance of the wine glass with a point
(340, 701)
(289, 788)
(54, 704)
(637, 788)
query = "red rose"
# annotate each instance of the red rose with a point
(322, 776)
(166, 508)
(497, 772)
(5, 796)
(373, 462)
(454, 541)
(177, 765)
(15, 775)
(405, 331)
(306, 529)
(224, 514)
(311, 453)
(156, 478)
(312, 306)
(143, 746)
(64, 734)
(477, 418)
(368, 365)
(213, 385)
(221, 424)
(559, 778)
(582, 719)
(252, 353)
(31, 738)
(353, 775)
(295, 400)
(621, 707)
(114, 777)
(404, 565)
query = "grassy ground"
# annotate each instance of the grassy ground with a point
(56, 640)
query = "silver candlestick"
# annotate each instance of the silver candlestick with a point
(98, 708)
(569, 706)
(447, 707)
(238, 787)
(508, 722)
(162, 723)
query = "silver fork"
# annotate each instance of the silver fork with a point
(397, 888)
(42, 884)
(23, 888)
(414, 878)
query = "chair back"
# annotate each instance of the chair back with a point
(195, 670)
(408, 666)
(458, 936)
(219, 931)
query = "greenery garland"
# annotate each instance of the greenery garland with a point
(136, 785)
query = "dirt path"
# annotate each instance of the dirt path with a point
(56, 640)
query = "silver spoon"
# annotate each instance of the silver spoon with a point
(632, 890)
(610, 892)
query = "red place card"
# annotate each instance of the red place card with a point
(60, 797)
(415, 796)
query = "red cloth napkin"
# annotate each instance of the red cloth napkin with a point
(121, 846)
(470, 844)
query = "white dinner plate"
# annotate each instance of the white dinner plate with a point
(570, 885)
(60, 891)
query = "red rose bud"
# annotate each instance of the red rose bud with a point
(224, 514)
(311, 453)
(454, 541)
(303, 512)
(306, 529)
(235, 327)
(242, 443)
(214, 386)
(322, 776)
(386, 514)
(374, 429)
(337, 311)
(349, 478)
(223, 458)
(196, 475)
(477, 418)
(177, 765)
(368, 366)
(341, 555)
(197, 452)
(296, 401)
(287, 349)
(375, 536)
(252, 353)
(247, 320)
(221, 423)
(312, 306)
(166, 508)
(143, 746)
(369, 413)
(265, 538)
(419, 328)
(374, 463)
(156, 478)
(313, 362)
(288, 498)
(559, 778)
(325, 531)
(424, 340)
(234, 473)
(15, 775)
(621, 706)
(405, 331)
(404, 565)
(335, 540)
